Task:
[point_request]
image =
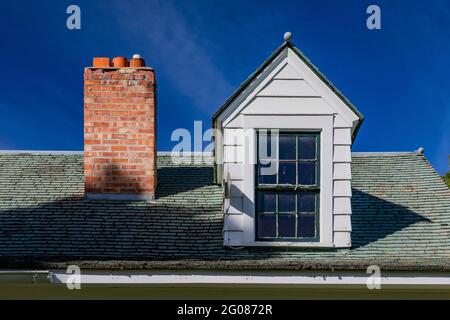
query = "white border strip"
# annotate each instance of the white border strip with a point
(324, 279)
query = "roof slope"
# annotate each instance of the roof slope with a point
(401, 218)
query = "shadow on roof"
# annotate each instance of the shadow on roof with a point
(374, 218)
(173, 180)
(77, 229)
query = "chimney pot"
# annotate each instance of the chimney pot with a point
(101, 62)
(137, 62)
(120, 62)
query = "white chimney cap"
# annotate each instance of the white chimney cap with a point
(287, 36)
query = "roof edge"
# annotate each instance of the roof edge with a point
(384, 153)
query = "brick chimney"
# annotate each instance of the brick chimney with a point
(119, 129)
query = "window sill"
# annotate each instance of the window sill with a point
(289, 244)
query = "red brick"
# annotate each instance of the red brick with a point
(119, 107)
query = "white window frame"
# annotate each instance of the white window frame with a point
(323, 124)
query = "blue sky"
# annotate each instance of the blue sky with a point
(398, 77)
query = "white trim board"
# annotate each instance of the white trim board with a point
(266, 279)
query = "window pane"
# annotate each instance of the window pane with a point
(267, 173)
(267, 146)
(306, 147)
(307, 173)
(287, 147)
(306, 226)
(266, 202)
(307, 202)
(286, 173)
(286, 225)
(267, 225)
(286, 202)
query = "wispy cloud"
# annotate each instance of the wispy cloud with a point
(166, 35)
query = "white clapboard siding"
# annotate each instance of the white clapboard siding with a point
(233, 154)
(288, 88)
(233, 137)
(342, 188)
(233, 222)
(233, 205)
(342, 223)
(236, 122)
(342, 171)
(342, 238)
(233, 238)
(339, 122)
(236, 188)
(342, 192)
(288, 106)
(287, 73)
(342, 154)
(342, 205)
(234, 171)
(343, 136)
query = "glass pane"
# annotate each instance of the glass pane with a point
(286, 173)
(307, 173)
(307, 202)
(266, 201)
(286, 225)
(267, 226)
(306, 226)
(267, 145)
(286, 202)
(267, 173)
(287, 147)
(306, 147)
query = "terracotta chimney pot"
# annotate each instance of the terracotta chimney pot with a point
(120, 62)
(101, 62)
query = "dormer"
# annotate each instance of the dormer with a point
(283, 155)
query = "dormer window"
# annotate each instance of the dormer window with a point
(288, 187)
(283, 156)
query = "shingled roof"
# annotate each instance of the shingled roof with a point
(401, 219)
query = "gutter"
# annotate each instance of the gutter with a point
(32, 277)
(344, 280)
(269, 279)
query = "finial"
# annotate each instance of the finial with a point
(287, 36)
(421, 150)
(136, 56)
